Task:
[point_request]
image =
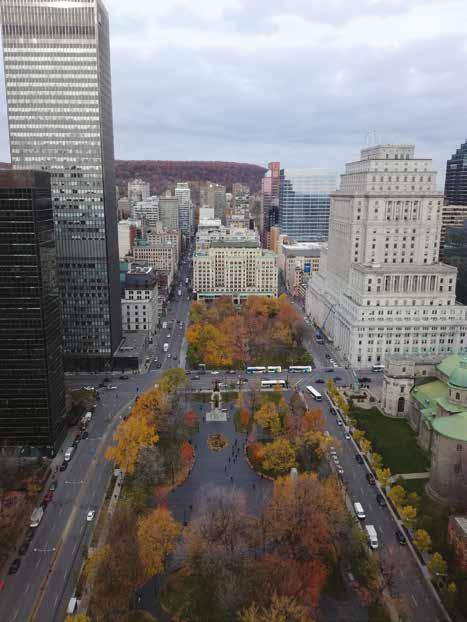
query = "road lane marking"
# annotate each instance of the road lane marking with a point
(28, 587)
(15, 616)
(414, 600)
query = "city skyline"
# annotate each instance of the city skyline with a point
(235, 123)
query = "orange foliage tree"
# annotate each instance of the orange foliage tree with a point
(186, 452)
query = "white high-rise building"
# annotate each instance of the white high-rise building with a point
(146, 210)
(138, 190)
(185, 208)
(381, 289)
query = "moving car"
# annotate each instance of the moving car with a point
(90, 388)
(319, 381)
(196, 377)
(90, 515)
(13, 569)
(124, 377)
(112, 387)
(359, 458)
(214, 373)
(400, 537)
(158, 365)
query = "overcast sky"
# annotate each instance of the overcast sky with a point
(306, 82)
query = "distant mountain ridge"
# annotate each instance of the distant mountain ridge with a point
(162, 174)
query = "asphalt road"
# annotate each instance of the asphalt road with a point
(408, 584)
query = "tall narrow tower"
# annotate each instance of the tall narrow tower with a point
(57, 73)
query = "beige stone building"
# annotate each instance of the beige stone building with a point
(234, 269)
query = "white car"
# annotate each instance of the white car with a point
(336, 459)
(339, 421)
(89, 388)
(340, 470)
(333, 451)
(347, 436)
(90, 515)
(112, 388)
(169, 356)
(168, 336)
(214, 373)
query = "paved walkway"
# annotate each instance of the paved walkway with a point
(394, 478)
(214, 468)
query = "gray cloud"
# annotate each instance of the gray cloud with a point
(301, 81)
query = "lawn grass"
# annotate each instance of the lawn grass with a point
(393, 439)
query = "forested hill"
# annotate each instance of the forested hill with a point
(163, 174)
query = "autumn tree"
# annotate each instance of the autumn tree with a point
(397, 495)
(191, 419)
(383, 475)
(219, 554)
(279, 456)
(408, 514)
(268, 418)
(80, 617)
(422, 540)
(173, 380)
(131, 436)
(157, 534)
(303, 519)
(186, 453)
(281, 609)
(437, 565)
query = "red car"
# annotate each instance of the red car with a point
(49, 496)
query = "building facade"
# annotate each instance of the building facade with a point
(32, 385)
(304, 203)
(146, 210)
(454, 253)
(269, 210)
(455, 187)
(214, 196)
(431, 392)
(453, 216)
(381, 289)
(138, 190)
(235, 270)
(140, 304)
(57, 73)
(168, 213)
(162, 255)
(185, 208)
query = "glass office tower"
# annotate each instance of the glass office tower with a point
(304, 203)
(57, 73)
(32, 386)
(455, 187)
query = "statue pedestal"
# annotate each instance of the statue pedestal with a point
(216, 414)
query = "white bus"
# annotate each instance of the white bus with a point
(378, 367)
(274, 370)
(300, 369)
(255, 370)
(315, 394)
(272, 384)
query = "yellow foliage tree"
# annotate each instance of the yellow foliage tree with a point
(422, 540)
(437, 565)
(131, 436)
(376, 460)
(408, 514)
(279, 456)
(281, 609)
(365, 445)
(317, 441)
(383, 475)
(397, 495)
(172, 380)
(358, 435)
(81, 617)
(268, 418)
(157, 535)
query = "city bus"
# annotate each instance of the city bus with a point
(300, 369)
(272, 384)
(274, 370)
(378, 367)
(315, 394)
(255, 370)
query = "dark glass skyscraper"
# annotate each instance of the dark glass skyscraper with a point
(32, 389)
(57, 73)
(455, 187)
(270, 202)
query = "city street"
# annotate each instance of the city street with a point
(46, 580)
(408, 584)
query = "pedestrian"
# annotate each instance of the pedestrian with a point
(231, 478)
(254, 486)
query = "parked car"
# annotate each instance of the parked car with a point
(400, 537)
(339, 421)
(332, 451)
(123, 377)
(89, 388)
(13, 569)
(174, 357)
(336, 459)
(49, 495)
(90, 515)
(347, 436)
(215, 373)
(196, 377)
(85, 434)
(23, 548)
(29, 535)
(337, 378)
(158, 365)
(359, 458)
(370, 478)
(53, 485)
(112, 387)
(64, 466)
(380, 500)
(330, 370)
(340, 470)
(364, 380)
